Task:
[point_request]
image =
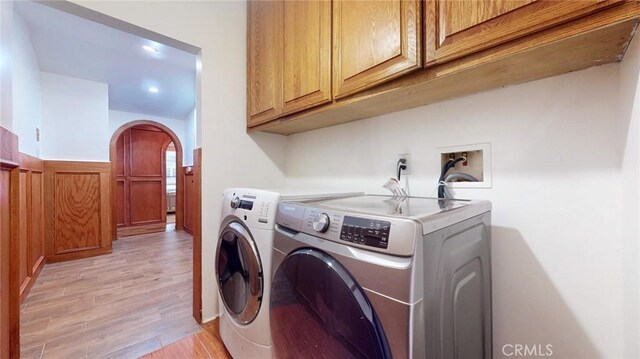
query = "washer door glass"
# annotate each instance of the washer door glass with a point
(317, 307)
(239, 273)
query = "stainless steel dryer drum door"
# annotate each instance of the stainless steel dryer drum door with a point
(239, 272)
(317, 306)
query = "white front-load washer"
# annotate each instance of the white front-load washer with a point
(243, 265)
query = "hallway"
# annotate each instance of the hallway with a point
(123, 305)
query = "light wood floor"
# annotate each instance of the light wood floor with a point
(206, 345)
(123, 305)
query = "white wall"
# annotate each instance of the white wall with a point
(630, 197)
(560, 159)
(557, 241)
(27, 96)
(190, 137)
(230, 156)
(6, 20)
(75, 119)
(179, 127)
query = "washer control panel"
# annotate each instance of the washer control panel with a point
(256, 208)
(248, 205)
(368, 232)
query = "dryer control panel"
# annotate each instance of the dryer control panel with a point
(390, 235)
(369, 232)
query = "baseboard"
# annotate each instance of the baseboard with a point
(26, 289)
(77, 255)
(141, 229)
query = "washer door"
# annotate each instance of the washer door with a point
(316, 306)
(239, 273)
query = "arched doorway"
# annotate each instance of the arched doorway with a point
(145, 179)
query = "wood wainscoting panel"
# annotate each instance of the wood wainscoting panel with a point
(30, 221)
(77, 209)
(9, 246)
(36, 215)
(5, 236)
(77, 219)
(23, 231)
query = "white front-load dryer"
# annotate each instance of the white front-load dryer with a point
(243, 265)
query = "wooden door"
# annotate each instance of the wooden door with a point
(140, 176)
(264, 61)
(121, 179)
(307, 54)
(455, 28)
(373, 42)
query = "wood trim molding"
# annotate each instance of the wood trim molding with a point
(77, 166)
(77, 209)
(31, 163)
(197, 236)
(9, 247)
(179, 179)
(189, 174)
(141, 229)
(9, 147)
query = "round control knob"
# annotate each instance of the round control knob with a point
(321, 223)
(235, 202)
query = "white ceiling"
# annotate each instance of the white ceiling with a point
(72, 46)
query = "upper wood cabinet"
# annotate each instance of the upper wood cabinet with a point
(307, 54)
(318, 63)
(374, 41)
(455, 28)
(264, 61)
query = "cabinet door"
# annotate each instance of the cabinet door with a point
(307, 54)
(455, 28)
(264, 61)
(373, 42)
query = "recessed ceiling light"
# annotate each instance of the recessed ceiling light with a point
(150, 49)
(153, 89)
